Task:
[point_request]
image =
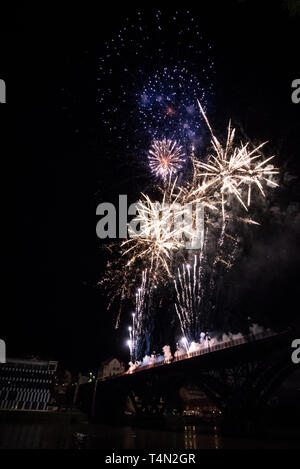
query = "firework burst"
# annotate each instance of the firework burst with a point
(137, 101)
(157, 251)
(159, 235)
(165, 158)
(230, 169)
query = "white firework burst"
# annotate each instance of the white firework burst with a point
(165, 158)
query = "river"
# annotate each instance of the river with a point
(68, 435)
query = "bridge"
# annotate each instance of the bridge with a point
(239, 376)
(201, 350)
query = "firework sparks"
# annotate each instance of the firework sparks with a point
(195, 282)
(161, 102)
(161, 234)
(157, 250)
(139, 315)
(168, 105)
(230, 168)
(142, 318)
(188, 287)
(165, 158)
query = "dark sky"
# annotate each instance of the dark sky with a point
(52, 170)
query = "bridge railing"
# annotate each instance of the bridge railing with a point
(207, 348)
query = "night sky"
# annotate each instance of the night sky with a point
(57, 166)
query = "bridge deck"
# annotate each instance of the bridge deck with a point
(202, 351)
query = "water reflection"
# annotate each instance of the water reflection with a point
(34, 436)
(190, 437)
(68, 435)
(47, 436)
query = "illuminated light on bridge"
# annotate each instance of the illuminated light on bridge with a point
(130, 346)
(184, 341)
(203, 349)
